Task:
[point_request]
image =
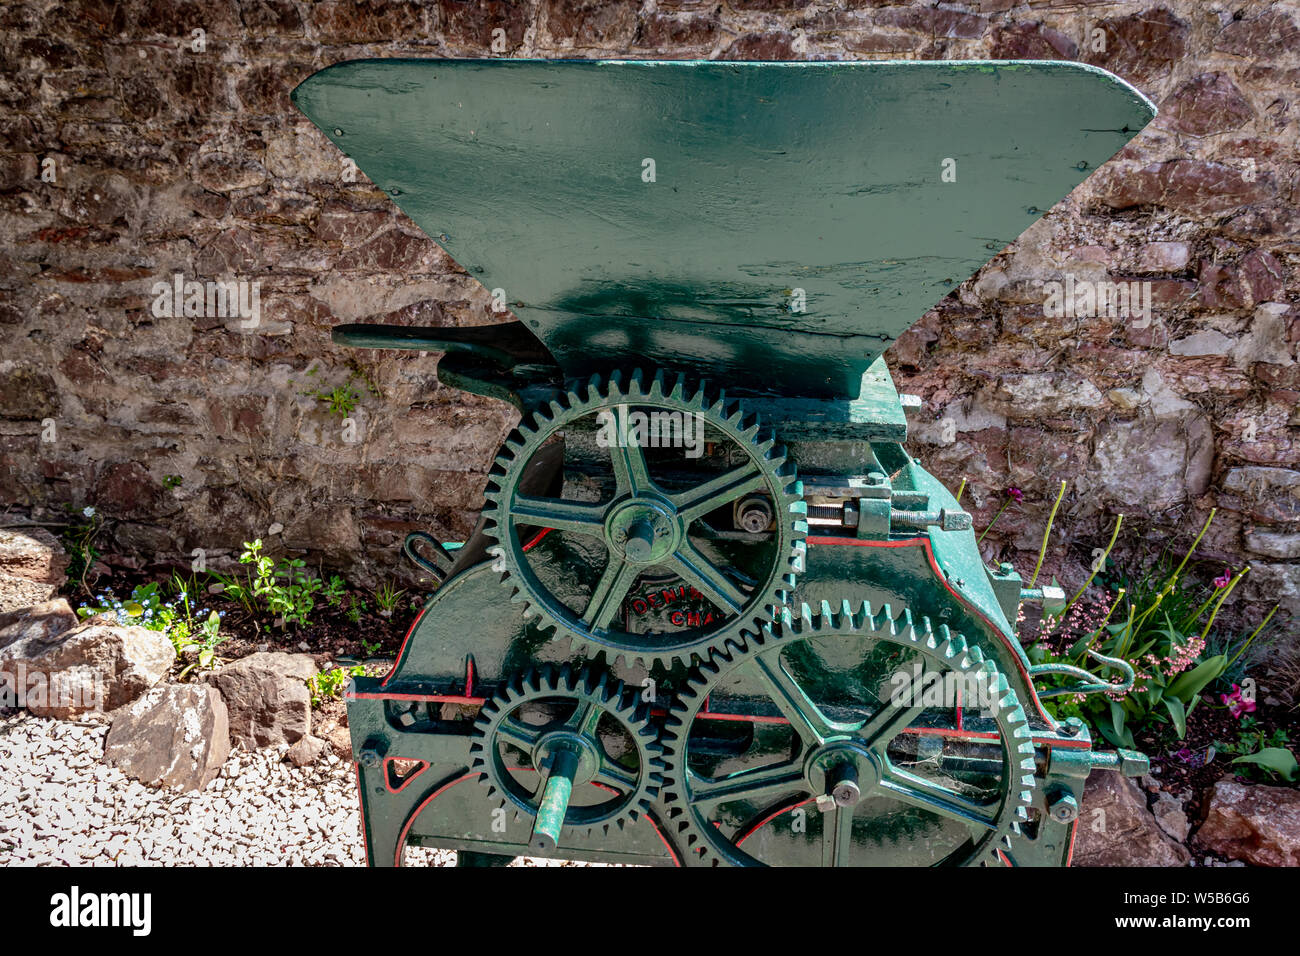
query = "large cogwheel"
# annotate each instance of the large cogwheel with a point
(678, 483)
(583, 719)
(849, 738)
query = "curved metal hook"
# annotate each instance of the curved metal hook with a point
(1094, 683)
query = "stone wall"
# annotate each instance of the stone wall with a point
(128, 155)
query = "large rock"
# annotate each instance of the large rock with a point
(1151, 462)
(32, 566)
(46, 621)
(91, 667)
(267, 696)
(1117, 829)
(1255, 823)
(176, 735)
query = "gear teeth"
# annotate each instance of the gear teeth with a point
(595, 394)
(583, 684)
(948, 647)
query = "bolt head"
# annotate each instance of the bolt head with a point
(846, 793)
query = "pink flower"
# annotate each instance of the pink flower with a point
(1225, 579)
(1016, 494)
(1237, 706)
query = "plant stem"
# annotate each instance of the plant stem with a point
(1253, 635)
(1005, 505)
(1042, 551)
(1223, 596)
(1096, 568)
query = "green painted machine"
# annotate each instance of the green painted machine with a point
(714, 612)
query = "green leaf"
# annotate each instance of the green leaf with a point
(1178, 714)
(1276, 759)
(1117, 718)
(133, 608)
(1192, 682)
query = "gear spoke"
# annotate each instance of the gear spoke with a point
(837, 836)
(919, 792)
(752, 784)
(631, 473)
(890, 721)
(610, 590)
(518, 734)
(564, 756)
(615, 775)
(643, 523)
(708, 577)
(585, 718)
(843, 762)
(726, 488)
(790, 699)
(559, 514)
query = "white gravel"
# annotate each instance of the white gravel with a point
(59, 805)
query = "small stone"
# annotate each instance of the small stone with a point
(1171, 818)
(268, 698)
(92, 667)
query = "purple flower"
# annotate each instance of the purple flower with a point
(1236, 704)
(1223, 580)
(1016, 494)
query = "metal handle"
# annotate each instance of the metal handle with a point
(441, 555)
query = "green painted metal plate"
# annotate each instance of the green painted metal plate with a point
(768, 178)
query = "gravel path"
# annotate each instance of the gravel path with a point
(59, 805)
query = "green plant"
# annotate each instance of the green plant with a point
(342, 399)
(334, 590)
(1274, 760)
(172, 481)
(1258, 750)
(332, 682)
(203, 641)
(388, 597)
(356, 607)
(1154, 625)
(286, 589)
(79, 539)
(187, 627)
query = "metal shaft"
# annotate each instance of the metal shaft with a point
(555, 800)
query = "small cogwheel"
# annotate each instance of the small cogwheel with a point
(583, 720)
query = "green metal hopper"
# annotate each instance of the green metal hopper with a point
(798, 218)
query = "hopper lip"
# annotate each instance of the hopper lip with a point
(1139, 97)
